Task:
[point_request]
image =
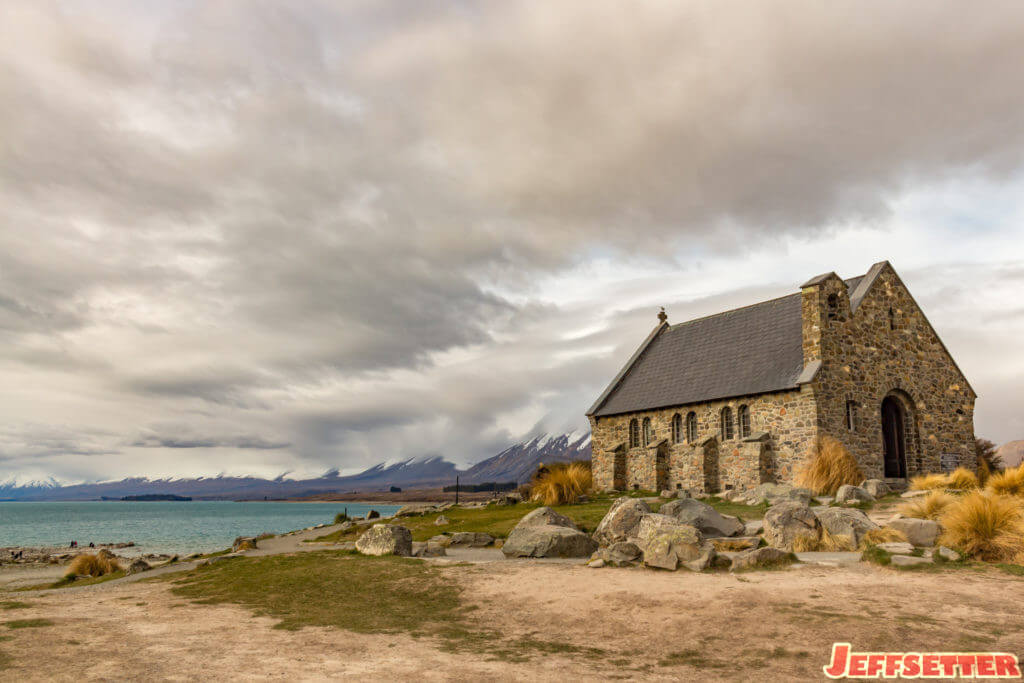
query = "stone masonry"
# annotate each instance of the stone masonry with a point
(885, 347)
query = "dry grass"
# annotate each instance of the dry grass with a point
(882, 535)
(93, 565)
(928, 507)
(562, 483)
(986, 526)
(928, 482)
(823, 543)
(961, 479)
(830, 467)
(1009, 482)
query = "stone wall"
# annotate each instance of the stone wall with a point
(787, 418)
(867, 355)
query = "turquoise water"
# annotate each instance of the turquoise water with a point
(172, 527)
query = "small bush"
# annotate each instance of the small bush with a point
(985, 526)
(928, 507)
(928, 482)
(882, 535)
(1009, 482)
(340, 517)
(830, 467)
(962, 479)
(93, 565)
(562, 483)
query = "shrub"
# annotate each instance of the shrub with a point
(1009, 482)
(985, 526)
(562, 483)
(882, 535)
(830, 467)
(92, 565)
(928, 482)
(340, 517)
(825, 542)
(928, 507)
(962, 479)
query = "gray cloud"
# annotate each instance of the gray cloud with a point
(337, 226)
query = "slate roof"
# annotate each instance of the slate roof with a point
(751, 350)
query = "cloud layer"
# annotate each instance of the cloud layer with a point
(259, 236)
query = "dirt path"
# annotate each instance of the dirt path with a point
(574, 622)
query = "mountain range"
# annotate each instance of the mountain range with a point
(1012, 453)
(515, 463)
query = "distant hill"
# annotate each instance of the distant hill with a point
(515, 463)
(1012, 453)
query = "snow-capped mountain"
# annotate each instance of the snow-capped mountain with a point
(515, 463)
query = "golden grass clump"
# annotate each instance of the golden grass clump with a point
(562, 483)
(824, 542)
(962, 479)
(1009, 482)
(928, 507)
(928, 482)
(93, 565)
(882, 535)
(985, 526)
(830, 467)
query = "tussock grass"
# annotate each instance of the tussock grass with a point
(986, 526)
(562, 483)
(961, 479)
(100, 564)
(928, 482)
(881, 535)
(1009, 482)
(931, 506)
(822, 543)
(830, 466)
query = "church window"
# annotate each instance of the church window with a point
(744, 415)
(648, 432)
(691, 427)
(727, 426)
(677, 428)
(634, 433)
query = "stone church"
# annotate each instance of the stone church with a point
(739, 398)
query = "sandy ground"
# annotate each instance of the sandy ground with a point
(648, 625)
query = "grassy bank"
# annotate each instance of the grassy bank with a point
(498, 520)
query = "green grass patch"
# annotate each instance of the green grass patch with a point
(876, 555)
(1015, 569)
(329, 588)
(28, 623)
(744, 512)
(69, 582)
(14, 604)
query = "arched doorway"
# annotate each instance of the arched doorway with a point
(894, 441)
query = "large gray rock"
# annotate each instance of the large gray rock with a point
(545, 515)
(385, 539)
(896, 548)
(785, 522)
(876, 487)
(428, 549)
(243, 543)
(470, 539)
(848, 523)
(548, 540)
(138, 565)
(701, 515)
(753, 527)
(761, 558)
(848, 493)
(919, 532)
(622, 521)
(778, 493)
(669, 544)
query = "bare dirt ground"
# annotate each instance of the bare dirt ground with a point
(598, 624)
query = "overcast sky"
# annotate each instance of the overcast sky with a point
(256, 237)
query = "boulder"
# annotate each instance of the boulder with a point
(243, 543)
(701, 515)
(909, 560)
(668, 494)
(848, 523)
(428, 549)
(947, 554)
(735, 543)
(596, 564)
(622, 521)
(547, 540)
(385, 539)
(753, 528)
(372, 514)
(761, 558)
(441, 520)
(919, 532)
(778, 493)
(785, 522)
(415, 509)
(848, 493)
(440, 539)
(470, 539)
(137, 566)
(668, 544)
(545, 515)
(624, 552)
(512, 498)
(896, 548)
(876, 487)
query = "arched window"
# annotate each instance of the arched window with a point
(833, 306)
(677, 428)
(691, 427)
(727, 427)
(648, 432)
(744, 422)
(634, 433)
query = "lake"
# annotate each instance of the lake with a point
(171, 527)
